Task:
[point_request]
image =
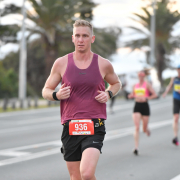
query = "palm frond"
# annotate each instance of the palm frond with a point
(145, 19)
(137, 44)
(138, 30)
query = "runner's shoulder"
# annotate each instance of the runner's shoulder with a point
(61, 62)
(148, 85)
(104, 63)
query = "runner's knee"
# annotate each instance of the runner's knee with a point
(137, 128)
(176, 120)
(86, 175)
(75, 176)
(144, 129)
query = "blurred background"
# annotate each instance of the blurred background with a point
(133, 35)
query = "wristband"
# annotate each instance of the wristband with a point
(110, 94)
(54, 96)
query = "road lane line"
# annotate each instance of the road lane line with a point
(14, 153)
(176, 178)
(111, 135)
(128, 131)
(39, 120)
(57, 143)
(26, 112)
(31, 156)
(27, 128)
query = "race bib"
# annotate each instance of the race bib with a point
(139, 92)
(177, 87)
(81, 127)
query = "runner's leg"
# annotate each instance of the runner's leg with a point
(88, 164)
(74, 170)
(136, 119)
(145, 125)
(175, 124)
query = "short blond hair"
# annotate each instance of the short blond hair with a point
(82, 22)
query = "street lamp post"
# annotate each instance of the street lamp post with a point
(152, 36)
(22, 63)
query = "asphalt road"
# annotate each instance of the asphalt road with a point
(30, 143)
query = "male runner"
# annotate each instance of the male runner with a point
(175, 83)
(82, 96)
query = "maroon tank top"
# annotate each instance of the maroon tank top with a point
(84, 86)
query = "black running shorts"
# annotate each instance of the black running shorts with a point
(142, 108)
(74, 145)
(176, 106)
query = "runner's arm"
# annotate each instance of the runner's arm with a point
(169, 87)
(112, 79)
(54, 79)
(131, 95)
(151, 90)
(52, 82)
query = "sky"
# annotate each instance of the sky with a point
(114, 13)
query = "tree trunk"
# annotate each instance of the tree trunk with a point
(147, 57)
(160, 64)
(51, 56)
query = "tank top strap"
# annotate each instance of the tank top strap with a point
(94, 63)
(145, 84)
(70, 58)
(137, 85)
(95, 57)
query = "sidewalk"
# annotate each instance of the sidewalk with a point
(15, 104)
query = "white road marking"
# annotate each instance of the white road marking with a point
(26, 112)
(29, 157)
(114, 134)
(130, 130)
(24, 128)
(39, 120)
(14, 153)
(176, 178)
(56, 143)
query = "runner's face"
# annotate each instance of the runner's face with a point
(141, 75)
(82, 38)
(178, 70)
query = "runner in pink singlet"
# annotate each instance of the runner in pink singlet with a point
(141, 94)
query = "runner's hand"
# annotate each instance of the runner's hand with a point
(130, 96)
(64, 92)
(102, 97)
(164, 95)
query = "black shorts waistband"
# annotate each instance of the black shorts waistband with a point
(141, 102)
(98, 120)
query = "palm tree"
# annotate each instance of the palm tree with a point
(8, 33)
(165, 20)
(53, 20)
(53, 23)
